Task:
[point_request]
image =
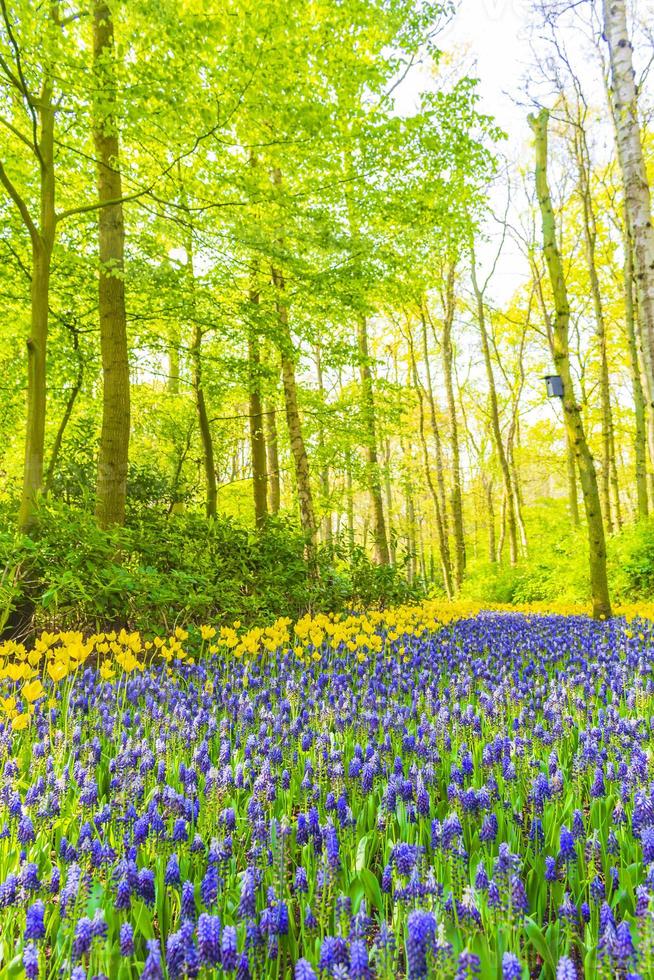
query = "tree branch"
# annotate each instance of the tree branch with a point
(20, 204)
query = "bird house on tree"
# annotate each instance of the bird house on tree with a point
(554, 385)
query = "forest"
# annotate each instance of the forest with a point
(251, 350)
(326, 490)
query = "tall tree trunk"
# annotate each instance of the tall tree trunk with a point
(111, 487)
(326, 526)
(590, 237)
(42, 242)
(293, 421)
(440, 529)
(370, 435)
(490, 513)
(640, 435)
(208, 457)
(257, 436)
(272, 456)
(571, 471)
(68, 411)
(448, 372)
(411, 533)
(632, 163)
(495, 416)
(388, 493)
(573, 420)
(438, 451)
(349, 495)
(174, 343)
(571, 467)
(502, 538)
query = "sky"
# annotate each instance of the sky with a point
(497, 41)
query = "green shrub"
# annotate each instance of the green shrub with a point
(159, 571)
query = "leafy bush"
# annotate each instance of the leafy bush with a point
(631, 559)
(162, 570)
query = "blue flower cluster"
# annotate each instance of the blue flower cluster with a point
(471, 802)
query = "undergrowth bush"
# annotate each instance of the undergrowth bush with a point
(161, 570)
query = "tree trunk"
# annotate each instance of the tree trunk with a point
(293, 421)
(440, 530)
(68, 411)
(208, 458)
(111, 488)
(257, 436)
(174, 343)
(571, 469)
(272, 455)
(495, 417)
(640, 435)
(632, 163)
(573, 421)
(349, 494)
(448, 372)
(490, 514)
(440, 475)
(326, 525)
(590, 238)
(370, 435)
(388, 493)
(43, 240)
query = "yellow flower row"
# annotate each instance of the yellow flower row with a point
(55, 656)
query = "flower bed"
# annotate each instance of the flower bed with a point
(383, 795)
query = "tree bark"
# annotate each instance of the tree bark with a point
(256, 424)
(608, 471)
(208, 457)
(68, 411)
(293, 421)
(632, 163)
(388, 493)
(495, 417)
(370, 435)
(438, 451)
(111, 487)
(440, 530)
(326, 525)
(490, 516)
(640, 435)
(42, 241)
(571, 469)
(448, 373)
(272, 456)
(572, 415)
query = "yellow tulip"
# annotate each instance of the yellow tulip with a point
(57, 671)
(33, 691)
(20, 722)
(8, 704)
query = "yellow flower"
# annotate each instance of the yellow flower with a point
(207, 632)
(8, 704)
(106, 671)
(20, 722)
(57, 671)
(33, 691)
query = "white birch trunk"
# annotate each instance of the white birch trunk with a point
(632, 164)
